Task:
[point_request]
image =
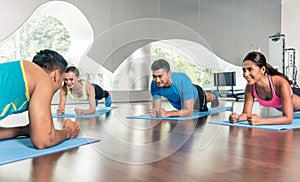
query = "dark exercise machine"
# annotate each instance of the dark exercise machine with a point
(227, 79)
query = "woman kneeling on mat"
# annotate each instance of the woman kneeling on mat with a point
(78, 89)
(271, 89)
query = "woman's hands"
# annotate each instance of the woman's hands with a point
(234, 117)
(253, 119)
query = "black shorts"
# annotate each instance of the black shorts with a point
(99, 92)
(201, 103)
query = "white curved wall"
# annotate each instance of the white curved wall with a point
(230, 27)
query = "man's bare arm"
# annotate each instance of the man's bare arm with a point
(186, 111)
(62, 102)
(43, 133)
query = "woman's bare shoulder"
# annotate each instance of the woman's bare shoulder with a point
(278, 80)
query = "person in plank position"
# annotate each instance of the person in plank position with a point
(30, 86)
(178, 89)
(77, 89)
(271, 89)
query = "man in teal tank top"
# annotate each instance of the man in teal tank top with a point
(29, 86)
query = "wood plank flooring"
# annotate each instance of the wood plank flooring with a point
(144, 150)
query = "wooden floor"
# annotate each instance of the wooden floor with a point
(143, 150)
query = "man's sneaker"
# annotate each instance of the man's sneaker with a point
(215, 102)
(108, 101)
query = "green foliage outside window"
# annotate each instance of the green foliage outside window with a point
(198, 75)
(39, 32)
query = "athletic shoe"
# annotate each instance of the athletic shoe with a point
(215, 102)
(108, 101)
(96, 102)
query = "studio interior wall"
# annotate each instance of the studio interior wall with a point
(290, 28)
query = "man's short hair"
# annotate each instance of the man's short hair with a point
(50, 60)
(160, 64)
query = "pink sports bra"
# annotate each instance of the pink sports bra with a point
(274, 102)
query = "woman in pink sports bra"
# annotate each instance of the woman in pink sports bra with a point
(271, 89)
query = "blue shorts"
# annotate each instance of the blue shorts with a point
(13, 89)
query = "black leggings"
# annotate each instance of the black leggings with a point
(99, 92)
(201, 104)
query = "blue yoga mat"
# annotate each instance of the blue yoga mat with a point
(70, 113)
(195, 115)
(295, 124)
(12, 150)
(297, 115)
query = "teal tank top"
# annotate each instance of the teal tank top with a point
(14, 89)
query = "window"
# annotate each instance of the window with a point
(55, 25)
